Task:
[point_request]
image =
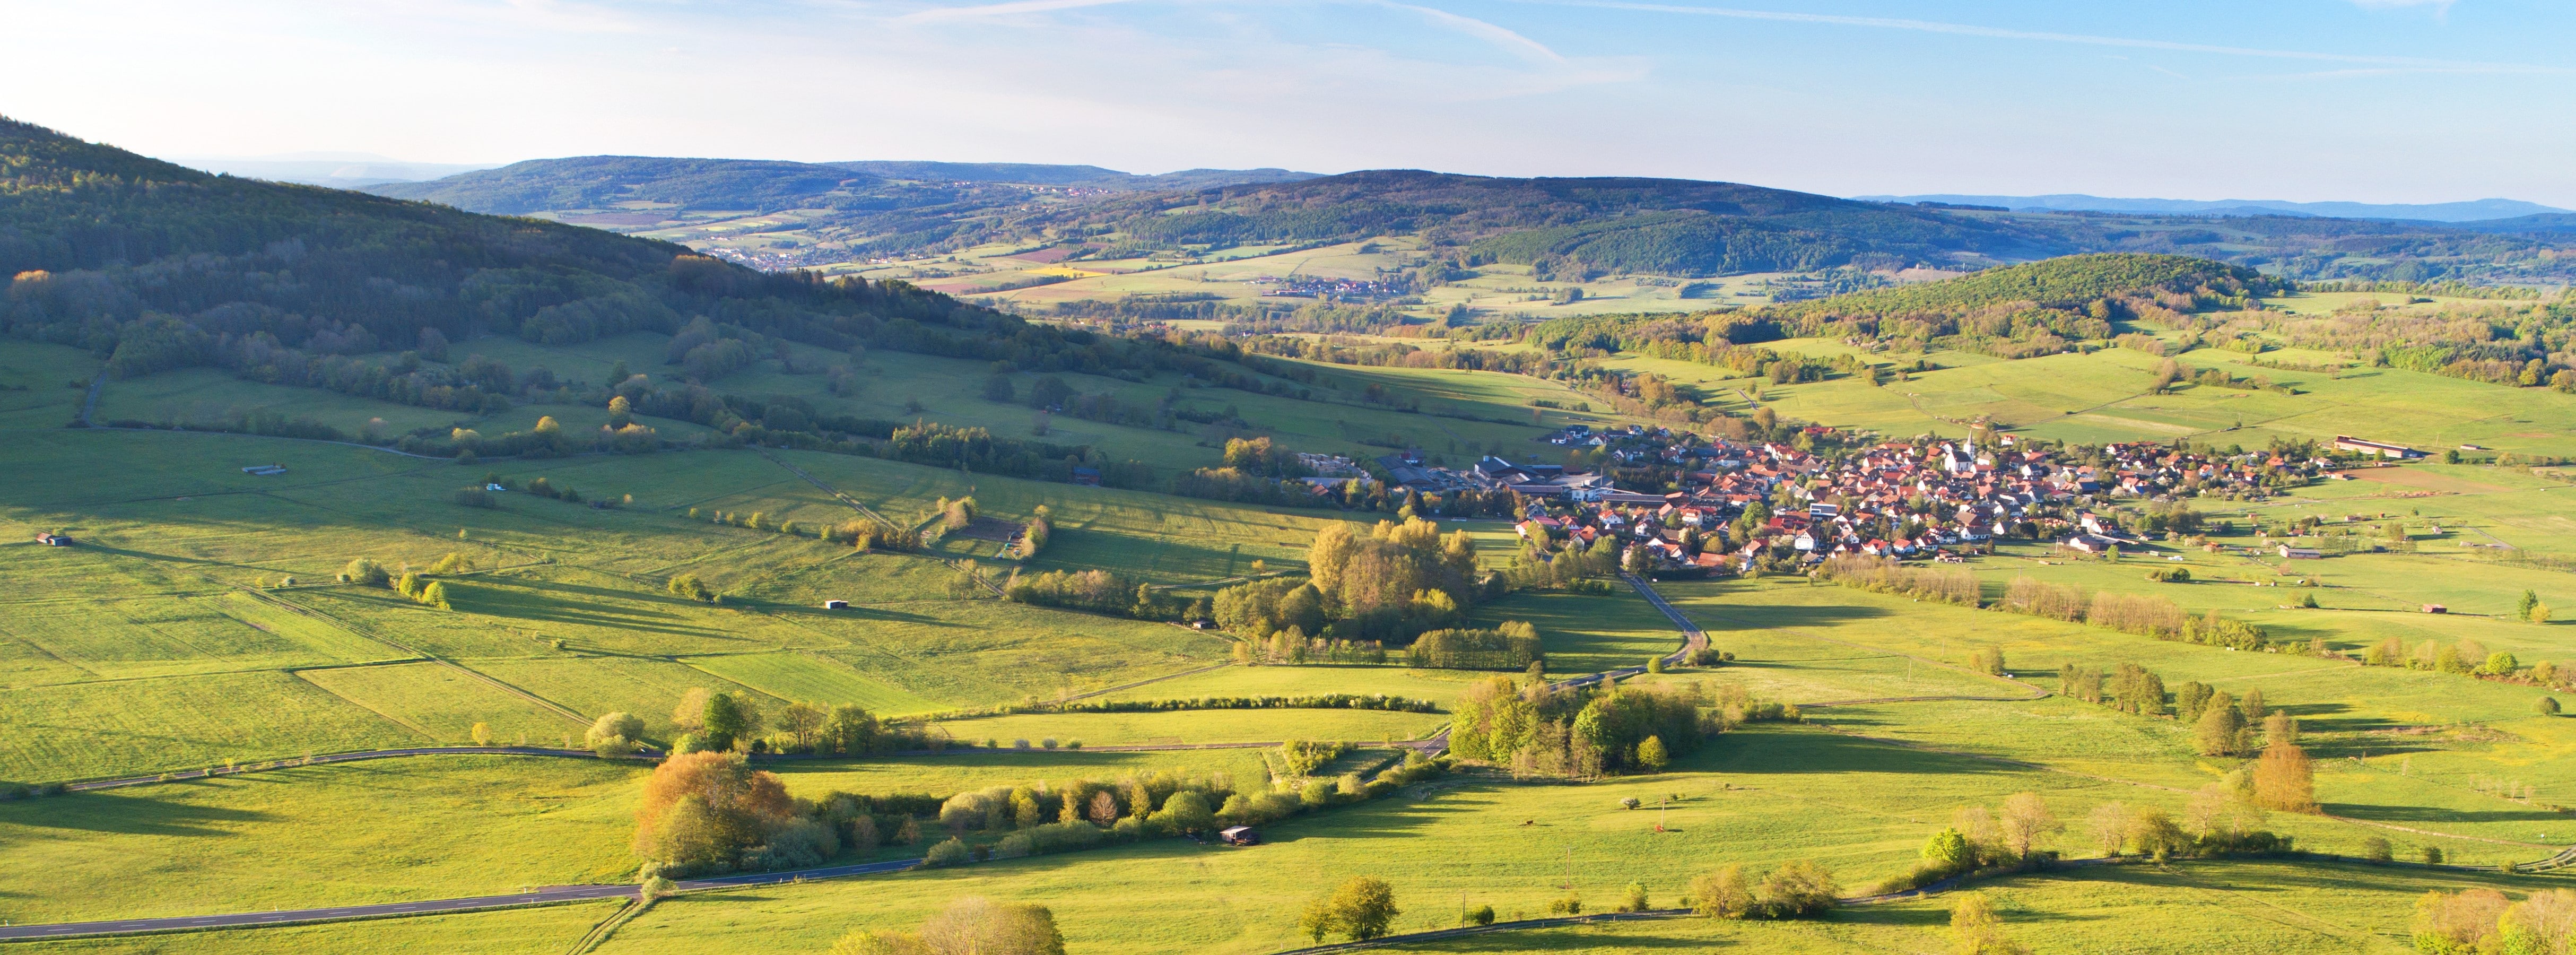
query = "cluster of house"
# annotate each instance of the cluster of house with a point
(1893, 499)
(1327, 289)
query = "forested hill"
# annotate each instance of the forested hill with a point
(2073, 282)
(2016, 311)
(1589, 225)
(158, 266)
(594, 182)
(2036, 308)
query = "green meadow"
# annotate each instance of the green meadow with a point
(170, 640)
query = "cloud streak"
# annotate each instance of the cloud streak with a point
(1500, 37)
(2000, 33)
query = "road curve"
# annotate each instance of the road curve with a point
(544, 896)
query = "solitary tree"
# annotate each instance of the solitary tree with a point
(2284, 780)
(1978, 930)
(2025, 820)
(1364, 906)
(1651, 755)
(1318, 919)
(2220, 732)
(2109, 823)
(729, 719)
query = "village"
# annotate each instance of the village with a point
(1725, 507)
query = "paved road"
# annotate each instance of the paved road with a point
(543, 896)
(1693, 638)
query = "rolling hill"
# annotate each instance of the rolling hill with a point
(154, 266)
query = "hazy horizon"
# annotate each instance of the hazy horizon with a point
(2323, 100)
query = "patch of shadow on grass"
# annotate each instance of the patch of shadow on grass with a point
(132, 815)
(1830, 753)
(1781, 617)
(2436, 814)
(501, 602)
(1576, 940)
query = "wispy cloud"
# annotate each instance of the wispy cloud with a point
(1501, 37)
(2402, 63)
(990, 10)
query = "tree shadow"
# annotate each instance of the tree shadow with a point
(2436, 814)
(1780, 617)
(128, 814)
(1575, 938)
(1747, 753)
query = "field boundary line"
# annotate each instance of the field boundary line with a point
(351, 756)
(370, 633)
(417, 729)
(1149, 680)
(828, 489)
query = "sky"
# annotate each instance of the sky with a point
(2309, 100)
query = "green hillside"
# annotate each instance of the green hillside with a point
(154, 267)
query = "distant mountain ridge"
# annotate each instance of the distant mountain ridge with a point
(1039, 174)
(336, 170)
(2471, 211)
(591, 182)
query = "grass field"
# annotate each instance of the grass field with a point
(333, 834)
(148, 648)
(574, 604)
(548, 928)
(1200, 726)
(2103, 396)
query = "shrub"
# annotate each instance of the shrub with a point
(614, 734)
(2458, 922)
(1483, 915)
(366, 571)
(2547, 706)
(688, 586)
(471, 497)
(1722, 894)
(948, 853)
(1797, 889)
(2377, 850)
(1636, 898)
(1015, 845)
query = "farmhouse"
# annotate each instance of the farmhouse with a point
(2300, 553)
(2090, 543)
(2380, 448)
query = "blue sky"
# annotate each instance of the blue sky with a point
(2385, 100)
